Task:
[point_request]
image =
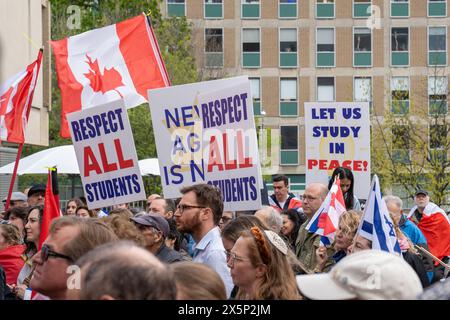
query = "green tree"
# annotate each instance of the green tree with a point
(410, 144)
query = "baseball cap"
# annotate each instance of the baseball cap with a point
(16, 196)
(365, 275)
(425, 192)
(36, 188)
(154, 220)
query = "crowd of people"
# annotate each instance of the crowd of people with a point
(191, 249)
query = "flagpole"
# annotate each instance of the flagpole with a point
(432, 256)
(13, 178)
(19, 151)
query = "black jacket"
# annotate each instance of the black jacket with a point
(167, 255)
(417, 264)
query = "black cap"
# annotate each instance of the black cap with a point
(425, 192)
(36, 188)
(154, 220)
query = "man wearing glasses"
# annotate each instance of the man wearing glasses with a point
(308, 242)
(70, 237)
(198, 214)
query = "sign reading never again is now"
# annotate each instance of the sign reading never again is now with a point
(205, 133)
(106, 155)
(337, 134)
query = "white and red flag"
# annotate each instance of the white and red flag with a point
(120, 61)
(325, 221)
(16, 95)
(435, 226)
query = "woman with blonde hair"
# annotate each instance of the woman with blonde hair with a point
(196, 281)
(260, 267)
(348, 225)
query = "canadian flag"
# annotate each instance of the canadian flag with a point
(121, 61)
(16, 95)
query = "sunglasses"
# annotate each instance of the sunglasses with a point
(46, 253)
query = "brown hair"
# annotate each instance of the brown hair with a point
(92, 233)
(10, 233)
(125, 213)
(19, 212)
(78, 203)
(90, 212)
(279, 281)
(208, 196)
(124, 229)
(198, 281)
(233, 230)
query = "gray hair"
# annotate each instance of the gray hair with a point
(273, 218)
(394, 199)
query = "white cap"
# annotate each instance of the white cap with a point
(365, 275)
(17, 196)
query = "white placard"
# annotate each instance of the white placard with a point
(338, 134)
(106, 155)
(205, 133)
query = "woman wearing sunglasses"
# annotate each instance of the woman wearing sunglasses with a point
(33, 231)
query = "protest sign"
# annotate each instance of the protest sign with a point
(337, 134)
(106, 155)
(205, 133)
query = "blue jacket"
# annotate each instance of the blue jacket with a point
(411, 231)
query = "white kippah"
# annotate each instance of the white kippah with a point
(276, 240)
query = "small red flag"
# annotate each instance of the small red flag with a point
(51, 204)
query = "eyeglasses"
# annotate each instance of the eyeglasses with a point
(232, 257)
(182, 207)
(46, 253)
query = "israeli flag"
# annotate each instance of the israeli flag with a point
(376, 224)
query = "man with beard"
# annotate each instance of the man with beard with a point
(198, 214)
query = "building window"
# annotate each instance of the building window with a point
(401, 151)
(288, 48)
(213, 47)
(438, 139)
(176, 8)
(362, 90)
(288, 97)
(437, 46)
(361, 8)
(400, 95)
(399, 8)
(287, 9)
(324, 9)
(255, 84)
(437, 8)
(325, 89)
(289, 145)
(250, 9)
(437, 95)
(400, 47)
(362, 46)
(251, 48)
(213, 9)
(325, 47)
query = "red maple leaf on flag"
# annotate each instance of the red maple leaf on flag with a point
(109, 80)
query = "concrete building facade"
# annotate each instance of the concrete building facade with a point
(296, 51)
(24, 28)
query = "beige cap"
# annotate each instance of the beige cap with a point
(365, 275)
